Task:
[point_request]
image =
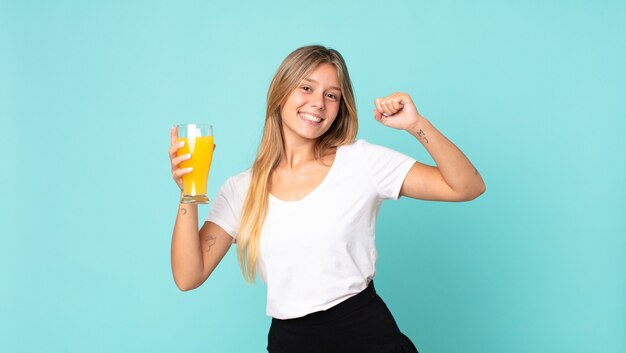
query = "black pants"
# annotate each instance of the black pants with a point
(361, 324)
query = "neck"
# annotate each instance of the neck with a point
(297, 153)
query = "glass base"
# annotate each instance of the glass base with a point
(194, 199)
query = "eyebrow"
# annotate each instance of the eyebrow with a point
(314, 81)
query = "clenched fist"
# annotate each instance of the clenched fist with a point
(397, 111)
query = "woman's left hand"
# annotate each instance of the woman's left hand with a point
(397, 111)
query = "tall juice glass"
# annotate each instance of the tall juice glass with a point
(198, 139)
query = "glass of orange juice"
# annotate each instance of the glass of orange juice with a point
(198, 139)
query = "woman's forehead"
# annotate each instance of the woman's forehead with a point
(325, 74)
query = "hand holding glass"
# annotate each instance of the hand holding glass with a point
(198, 141)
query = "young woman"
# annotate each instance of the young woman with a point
(303, 217)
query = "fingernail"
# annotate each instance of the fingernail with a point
(181, 143)
(188, 155)
(189, 169)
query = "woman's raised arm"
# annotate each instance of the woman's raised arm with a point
(454, 178)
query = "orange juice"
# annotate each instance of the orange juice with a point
(201, 149)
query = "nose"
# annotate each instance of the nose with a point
(317, 101)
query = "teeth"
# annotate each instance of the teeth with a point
(310, 118)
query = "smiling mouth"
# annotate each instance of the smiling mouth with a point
(311, 118)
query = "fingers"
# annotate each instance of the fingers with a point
(391, 104)
(379, 117)
(177, 160)
(388, 106)
(395, 104)
(173, 135)
(177, 172)
(177, 175)
(174, 148)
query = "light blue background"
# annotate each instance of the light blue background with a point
(533, 92)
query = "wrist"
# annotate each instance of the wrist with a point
(418, 125)
(187, 207)
(181, 203)
(421, 130)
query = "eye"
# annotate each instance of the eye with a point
(332, 96)
(306, 88)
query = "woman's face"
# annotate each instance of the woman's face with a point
(312, 107)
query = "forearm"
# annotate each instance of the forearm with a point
(455, 168)
(187, 261)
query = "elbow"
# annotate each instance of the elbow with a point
(479, 191)
(473, 193)
(185, 285)
(185, 288)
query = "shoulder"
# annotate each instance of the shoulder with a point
(354, 147)
(377, 158)
(237, 184)
(241, 178)
(363, 147)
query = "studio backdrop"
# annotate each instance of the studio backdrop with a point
(533, 92)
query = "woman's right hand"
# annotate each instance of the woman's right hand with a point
(177, 173)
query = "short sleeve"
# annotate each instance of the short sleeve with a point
(226, 207)
(387, 168)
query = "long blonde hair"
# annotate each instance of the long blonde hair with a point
(290, 73)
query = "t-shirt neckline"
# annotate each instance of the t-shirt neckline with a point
(315, 190)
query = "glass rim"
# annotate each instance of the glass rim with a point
(195, 124)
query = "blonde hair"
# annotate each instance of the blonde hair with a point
(290, 73)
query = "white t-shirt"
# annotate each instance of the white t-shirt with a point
(319, 251)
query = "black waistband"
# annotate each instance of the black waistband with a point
(338, 311)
